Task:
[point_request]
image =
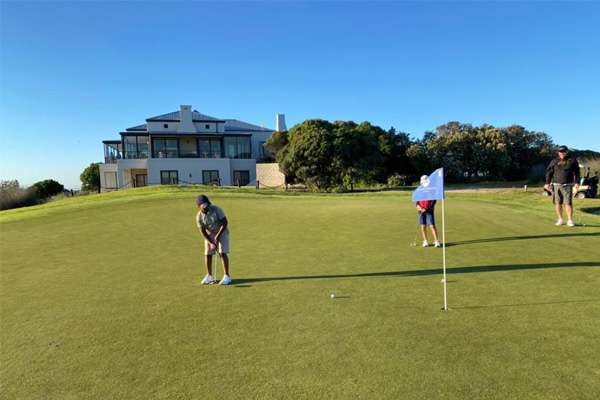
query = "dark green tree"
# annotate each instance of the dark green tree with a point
(90, 178)
(274, 145)
(48, 188)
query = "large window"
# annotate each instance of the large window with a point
(136, 146)
(210, 148)
(188, 147)
(169, 177)
(112, 152)
(237, 147)
(241, 178)
(165, 148)
(210, 177)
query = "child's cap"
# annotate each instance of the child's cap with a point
(202, 199)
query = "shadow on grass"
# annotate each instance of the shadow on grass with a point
(527, 304)
(509, 238)
(424, 272)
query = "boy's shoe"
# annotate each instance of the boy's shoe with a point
(208, 279)
(425, 243)
(437, 244)
(226, 280)
(559, 222)
(570, 223)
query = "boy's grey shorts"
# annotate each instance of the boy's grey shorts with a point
(562, 194)
(223, 246)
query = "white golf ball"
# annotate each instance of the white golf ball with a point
(332, 295)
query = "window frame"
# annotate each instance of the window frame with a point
(211, 181)
(238, 171)
(170, 176)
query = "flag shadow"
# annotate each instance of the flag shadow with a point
(529, 237)
(545, 303)
(424, 272)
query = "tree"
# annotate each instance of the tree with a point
(48, 188)
(90, 178)
(274, 145)
(326, 155)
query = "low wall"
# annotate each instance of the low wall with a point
(268, 175)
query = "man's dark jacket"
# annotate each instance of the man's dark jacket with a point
(563, 171)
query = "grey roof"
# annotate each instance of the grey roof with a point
(237, 125)
(231, 125)
(174, 116)
(142, 127)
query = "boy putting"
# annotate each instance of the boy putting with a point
(425, 208)
(212, 223)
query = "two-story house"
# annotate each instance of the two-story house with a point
(185, 147)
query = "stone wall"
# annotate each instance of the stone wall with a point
(268, 175)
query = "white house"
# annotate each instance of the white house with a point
(185, 147)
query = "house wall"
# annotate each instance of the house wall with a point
(189, 169)
(124, 168)
(154, 127)
(200, 127)
(104, 185)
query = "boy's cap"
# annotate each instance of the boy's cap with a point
(202, 199)
(563, 149)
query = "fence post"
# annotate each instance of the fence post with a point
(257, 184)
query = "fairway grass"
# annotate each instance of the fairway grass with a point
(101, 299)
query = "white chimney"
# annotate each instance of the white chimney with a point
(186, 125)
(280, 123)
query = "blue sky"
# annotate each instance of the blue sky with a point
(74, 74)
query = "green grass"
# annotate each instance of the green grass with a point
(101, 300)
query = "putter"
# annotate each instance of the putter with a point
(215, 267)
(414, 242)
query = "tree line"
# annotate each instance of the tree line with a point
(340, 155)
(13, 195)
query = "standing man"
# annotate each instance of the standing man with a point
(212, 223)
(563, 174)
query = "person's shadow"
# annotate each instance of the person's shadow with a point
(426, 272)
(529, 237)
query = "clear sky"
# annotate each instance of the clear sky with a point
(74, 74)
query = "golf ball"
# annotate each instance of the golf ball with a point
(332, 295)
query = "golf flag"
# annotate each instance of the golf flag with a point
(431, 187)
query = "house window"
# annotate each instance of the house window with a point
(165, 126)
(210, 148)
(188, 147)
(207, 126)
(241, 178)
(136, 146)
(169, 177)
(165, 148)
(210, 177)
(261, 150)
(237, 147)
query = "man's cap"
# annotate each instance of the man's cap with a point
(563, 149)
(202, 199)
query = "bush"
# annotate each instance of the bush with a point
(48, 188)
(397, 180)
(14, 196)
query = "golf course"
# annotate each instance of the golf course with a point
(101, 299)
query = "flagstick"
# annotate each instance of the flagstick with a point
(444, 254)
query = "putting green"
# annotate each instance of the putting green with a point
(101, 298)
